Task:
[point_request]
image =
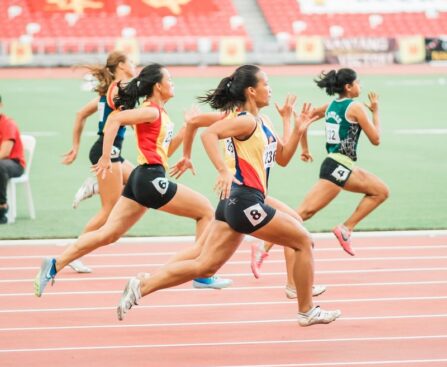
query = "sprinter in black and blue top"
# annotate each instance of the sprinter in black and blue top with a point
(345, 119)
(117, 68)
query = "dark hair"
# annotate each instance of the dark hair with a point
(230, 91)
(106, 73)
(141, 86)
(335, 81)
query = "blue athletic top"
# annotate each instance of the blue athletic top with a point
(105, 108)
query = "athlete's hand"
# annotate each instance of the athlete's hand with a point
(306, 156)
(373, 104)
(104, 164)
(223, 183)
(70, 156)
(287, 109)
(181, 167)
(304, 119)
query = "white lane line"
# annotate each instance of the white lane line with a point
(240, 251)
(245, 262)
(190, 239)
(225, 304)
(213, 323)
(343, 364)
(236, 289)
(232, 343)
(241, 275)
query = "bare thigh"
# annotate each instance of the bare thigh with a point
(127, 169)
(364, 182)
(111, 186)
(278, 204)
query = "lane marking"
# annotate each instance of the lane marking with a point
(257, 288)
(232, 343)
(213, 323)
(240, 275)
(245, 262)
(239, 251)
(224, 304)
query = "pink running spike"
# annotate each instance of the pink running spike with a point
(344, 237)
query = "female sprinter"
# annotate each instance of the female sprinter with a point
(147, 186)
(258, 250)
(241, 209)
(118, 68)
(345, 119)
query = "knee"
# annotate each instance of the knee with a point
(383, 193)
(106, 237)
(306, 214)
(207, 213)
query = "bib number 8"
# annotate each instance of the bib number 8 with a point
(255, 214)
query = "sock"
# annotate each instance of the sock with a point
(204, 280)
(53, 271)
(308, 312)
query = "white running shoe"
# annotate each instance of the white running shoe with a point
(130, 297)
(317, 316)
(79, 267)
(316, 291)
(87, 190)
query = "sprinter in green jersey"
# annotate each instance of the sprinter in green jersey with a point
(345, 119)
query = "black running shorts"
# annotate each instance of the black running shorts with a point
(335, 172)
(245, 210)
(96, 150)
(148, 186)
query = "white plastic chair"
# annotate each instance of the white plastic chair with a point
(29, 144)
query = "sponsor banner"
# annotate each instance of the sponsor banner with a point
(370, 6)
(20, 53)
(360, 51)
(232, 50)
(411, 50)
(309, 49)
(436, 49)
(130, 47)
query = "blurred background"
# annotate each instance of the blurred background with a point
(398, 47)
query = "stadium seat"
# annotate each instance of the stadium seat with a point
(29, 144)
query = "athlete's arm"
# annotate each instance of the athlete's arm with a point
(81, 117)
(114, 121)
(356, 112)
(284, 152)
(317, 113)
(240, 127)
(192, 125)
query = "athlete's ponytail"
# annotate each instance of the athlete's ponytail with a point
(141, 86)
(105, 74)
(230, 92)
(334, 81)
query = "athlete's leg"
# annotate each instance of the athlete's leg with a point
(321, 194)
(110, 189)
(375, 190)
(126, 168)
(123, 216)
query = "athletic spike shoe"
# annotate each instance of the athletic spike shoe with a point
(316, 291)
(87, 190)
(130, 297)
(46, 274)
(317, 316)
(258, 254)
(344, 238)
(214, 282)
(79, 267)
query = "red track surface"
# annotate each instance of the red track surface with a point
(393, 296)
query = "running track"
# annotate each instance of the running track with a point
(393, 296)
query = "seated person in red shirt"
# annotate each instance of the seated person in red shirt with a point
(12, 158)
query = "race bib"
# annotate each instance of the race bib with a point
(270, 155)
(168, 137)
(229, 147)
(332, 133)
(161, 185)
(255, 214)
(101, 108)
(115, 153)
(340, 173)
